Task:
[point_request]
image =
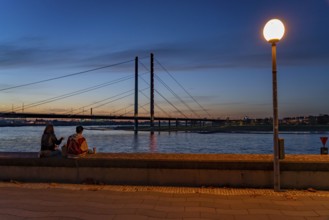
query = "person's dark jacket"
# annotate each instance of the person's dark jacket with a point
(49, 142)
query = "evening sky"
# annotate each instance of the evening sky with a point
(214, 48)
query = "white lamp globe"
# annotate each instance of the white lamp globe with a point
(273, 30)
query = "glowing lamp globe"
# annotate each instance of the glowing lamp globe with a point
(273, 30)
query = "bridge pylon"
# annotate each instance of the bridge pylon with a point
(152, 94)
(136, 98)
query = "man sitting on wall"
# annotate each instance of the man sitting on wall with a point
(77, 144)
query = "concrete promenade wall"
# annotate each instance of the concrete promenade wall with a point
(256, 171)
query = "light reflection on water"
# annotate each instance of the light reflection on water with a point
(23, 139)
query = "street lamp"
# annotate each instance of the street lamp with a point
(273, 32)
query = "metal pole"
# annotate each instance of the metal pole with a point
(136, 98)
(152, 95)
(276, 162)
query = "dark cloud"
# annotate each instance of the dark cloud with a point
(303, 58)
(185, 57)
(29, 52)
(13, 56)
(176, 56)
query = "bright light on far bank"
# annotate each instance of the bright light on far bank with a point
(273, 30)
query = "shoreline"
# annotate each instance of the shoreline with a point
(198, 129)
(261, 129)
(226, 170)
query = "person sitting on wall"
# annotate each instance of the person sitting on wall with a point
(77, 144)
(49, 143)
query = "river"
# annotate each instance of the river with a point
(27, 139)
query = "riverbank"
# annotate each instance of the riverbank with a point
(197, 170)
(231, 128)
(269, 128)
(128, 126)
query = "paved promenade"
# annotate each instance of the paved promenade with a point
(69, 201)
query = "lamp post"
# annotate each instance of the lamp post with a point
(273, 32)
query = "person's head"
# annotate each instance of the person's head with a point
(79, 129)
(49, 129)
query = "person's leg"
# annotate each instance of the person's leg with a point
(56, 153)
(45, 153)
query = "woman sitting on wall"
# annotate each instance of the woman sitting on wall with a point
(49, 143)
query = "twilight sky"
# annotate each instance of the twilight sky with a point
(214, 48)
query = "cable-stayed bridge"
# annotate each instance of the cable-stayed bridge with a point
(183, 112)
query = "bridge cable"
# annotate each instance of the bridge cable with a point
(182, 86)
(108, 102)
(67, 112)
(117, 99)
(164, 97)
(175, 94)
(171, 104)
(119, 110)
(142, 106)
(107, 99)
(161, 109)
(149, 97)
(78, 92)
(68, 75)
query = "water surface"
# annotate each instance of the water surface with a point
(24, 139)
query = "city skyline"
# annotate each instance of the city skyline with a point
(215, 49)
